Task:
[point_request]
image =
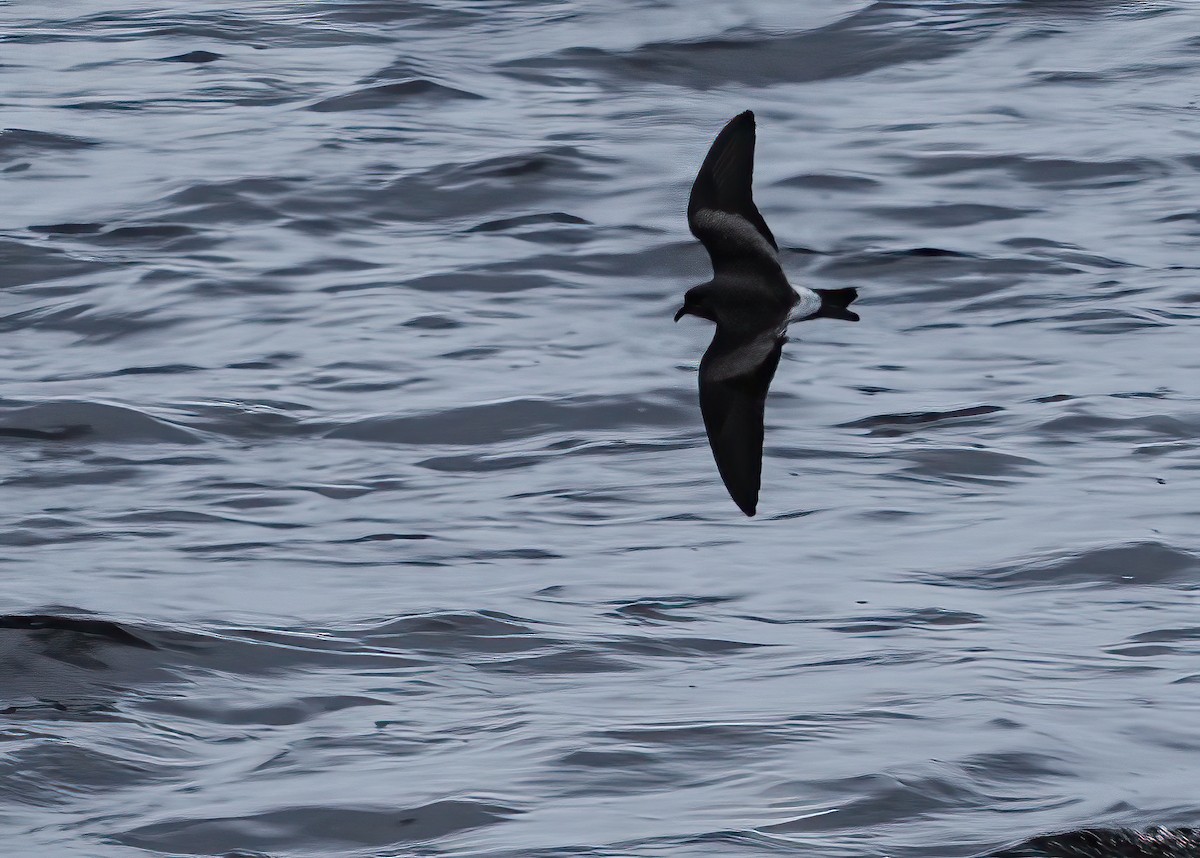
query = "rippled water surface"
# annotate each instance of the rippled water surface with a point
(354, 499)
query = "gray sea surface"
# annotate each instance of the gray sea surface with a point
(354, 498)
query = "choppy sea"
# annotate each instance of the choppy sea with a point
(354, 499)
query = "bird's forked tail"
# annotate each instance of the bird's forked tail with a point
(835, 304)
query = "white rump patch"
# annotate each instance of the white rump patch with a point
(808, 304)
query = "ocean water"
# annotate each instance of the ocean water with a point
(354, 499)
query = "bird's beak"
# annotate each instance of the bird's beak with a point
(681, 313)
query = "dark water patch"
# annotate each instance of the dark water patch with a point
(274, 360)
(480, 281)
(68, 228)
(923, 618)
(165, 369)
(614, 771)
(467, 190)
(941, 277)
(948, 215)
(419, 17)
(24, 143)
(477, 353)
(519, 222)
(316, 827)
(1074, 257)
(657, 261)
(829, 182)
(72, 662)
(1160, 642)
(322, 265)
(1041, 172)
(563, 661)
(876, 37)
(62, 433)
(928, 252)
(156, 232)
(894, 425)
(238, 192)
(1139, 564)
(1085, 427)
(565, 162)
(494, 554)
(1188, 216)
(389, 95)
(244, 201)
(240, 27)
(198, 57)
(656, 611)
(191, 517)
(688, 742)
(1026, 242)
(401, 70)
(254, 420)
(42, 530)
(970, 465)
(679, 647)
(1140, 651)
(389, 537)
(515, 418)
(237, 713)
(89, 473)
(25, 265)
(104, 422)
(1070, 77)
(251, 652)
(50, 627)
(45, 773)
(88, 322)
(1167, 636)
(448, 633)
(1147, 71)
(1109, 321)
(433, 323)
(1020, 769)
(468, 464)
(875, 800)
(104, 106)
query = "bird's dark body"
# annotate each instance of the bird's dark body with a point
(751, 302)
(1110, 843)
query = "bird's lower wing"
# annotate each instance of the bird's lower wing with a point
(733, 407)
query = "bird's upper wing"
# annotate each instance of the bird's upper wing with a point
(721, 211)
(734, 378)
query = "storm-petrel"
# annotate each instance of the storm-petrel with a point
(750, 301)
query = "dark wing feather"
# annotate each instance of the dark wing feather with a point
(721, 210)
(733, 418)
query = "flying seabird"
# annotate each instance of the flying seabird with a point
(750, 301)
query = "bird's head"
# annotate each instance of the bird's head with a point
(698, 301)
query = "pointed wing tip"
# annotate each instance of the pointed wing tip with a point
(742, 491)
(745, 118)
(748, 505)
